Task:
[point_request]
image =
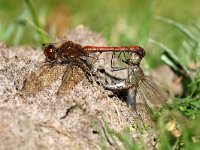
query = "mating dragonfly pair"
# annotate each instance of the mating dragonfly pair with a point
(76, 58)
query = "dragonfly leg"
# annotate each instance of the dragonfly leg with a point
(112, 77)
(64, 76)
(86, 67)
(114, 68)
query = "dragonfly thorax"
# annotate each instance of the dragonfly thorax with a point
(135, 74)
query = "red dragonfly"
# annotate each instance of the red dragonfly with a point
(68, 50)
(77, 65)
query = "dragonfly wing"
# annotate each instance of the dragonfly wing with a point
(42, 78)
(143, 108)
(71, 77)
(153, 94)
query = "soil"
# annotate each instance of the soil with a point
(33, 116)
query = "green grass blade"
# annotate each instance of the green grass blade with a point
(43, 38)
(18, 36)
(169, 62)
(172, 59)
(179, 27)
(144, 30)
(8, 32)
(36, 27)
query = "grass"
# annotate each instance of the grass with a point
(179, 124)
(178, 128)
(27, 20)
(129, 23)
(36, 24)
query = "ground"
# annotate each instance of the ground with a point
(33, 116)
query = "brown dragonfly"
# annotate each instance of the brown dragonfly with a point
(71, 62)
(138, 90)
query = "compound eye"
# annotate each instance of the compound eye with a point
(49, 51)
(141, 52)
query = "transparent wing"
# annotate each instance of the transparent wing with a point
(151, 93)
(143, 109)
(42, 78)
(72, 76)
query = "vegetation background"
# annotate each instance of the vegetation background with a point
(169, 31)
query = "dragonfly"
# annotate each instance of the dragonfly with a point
(72, 62)
(138, 89)
(68, 50)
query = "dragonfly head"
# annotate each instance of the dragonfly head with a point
(135, 56)
(140, 52)
(50, 51)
